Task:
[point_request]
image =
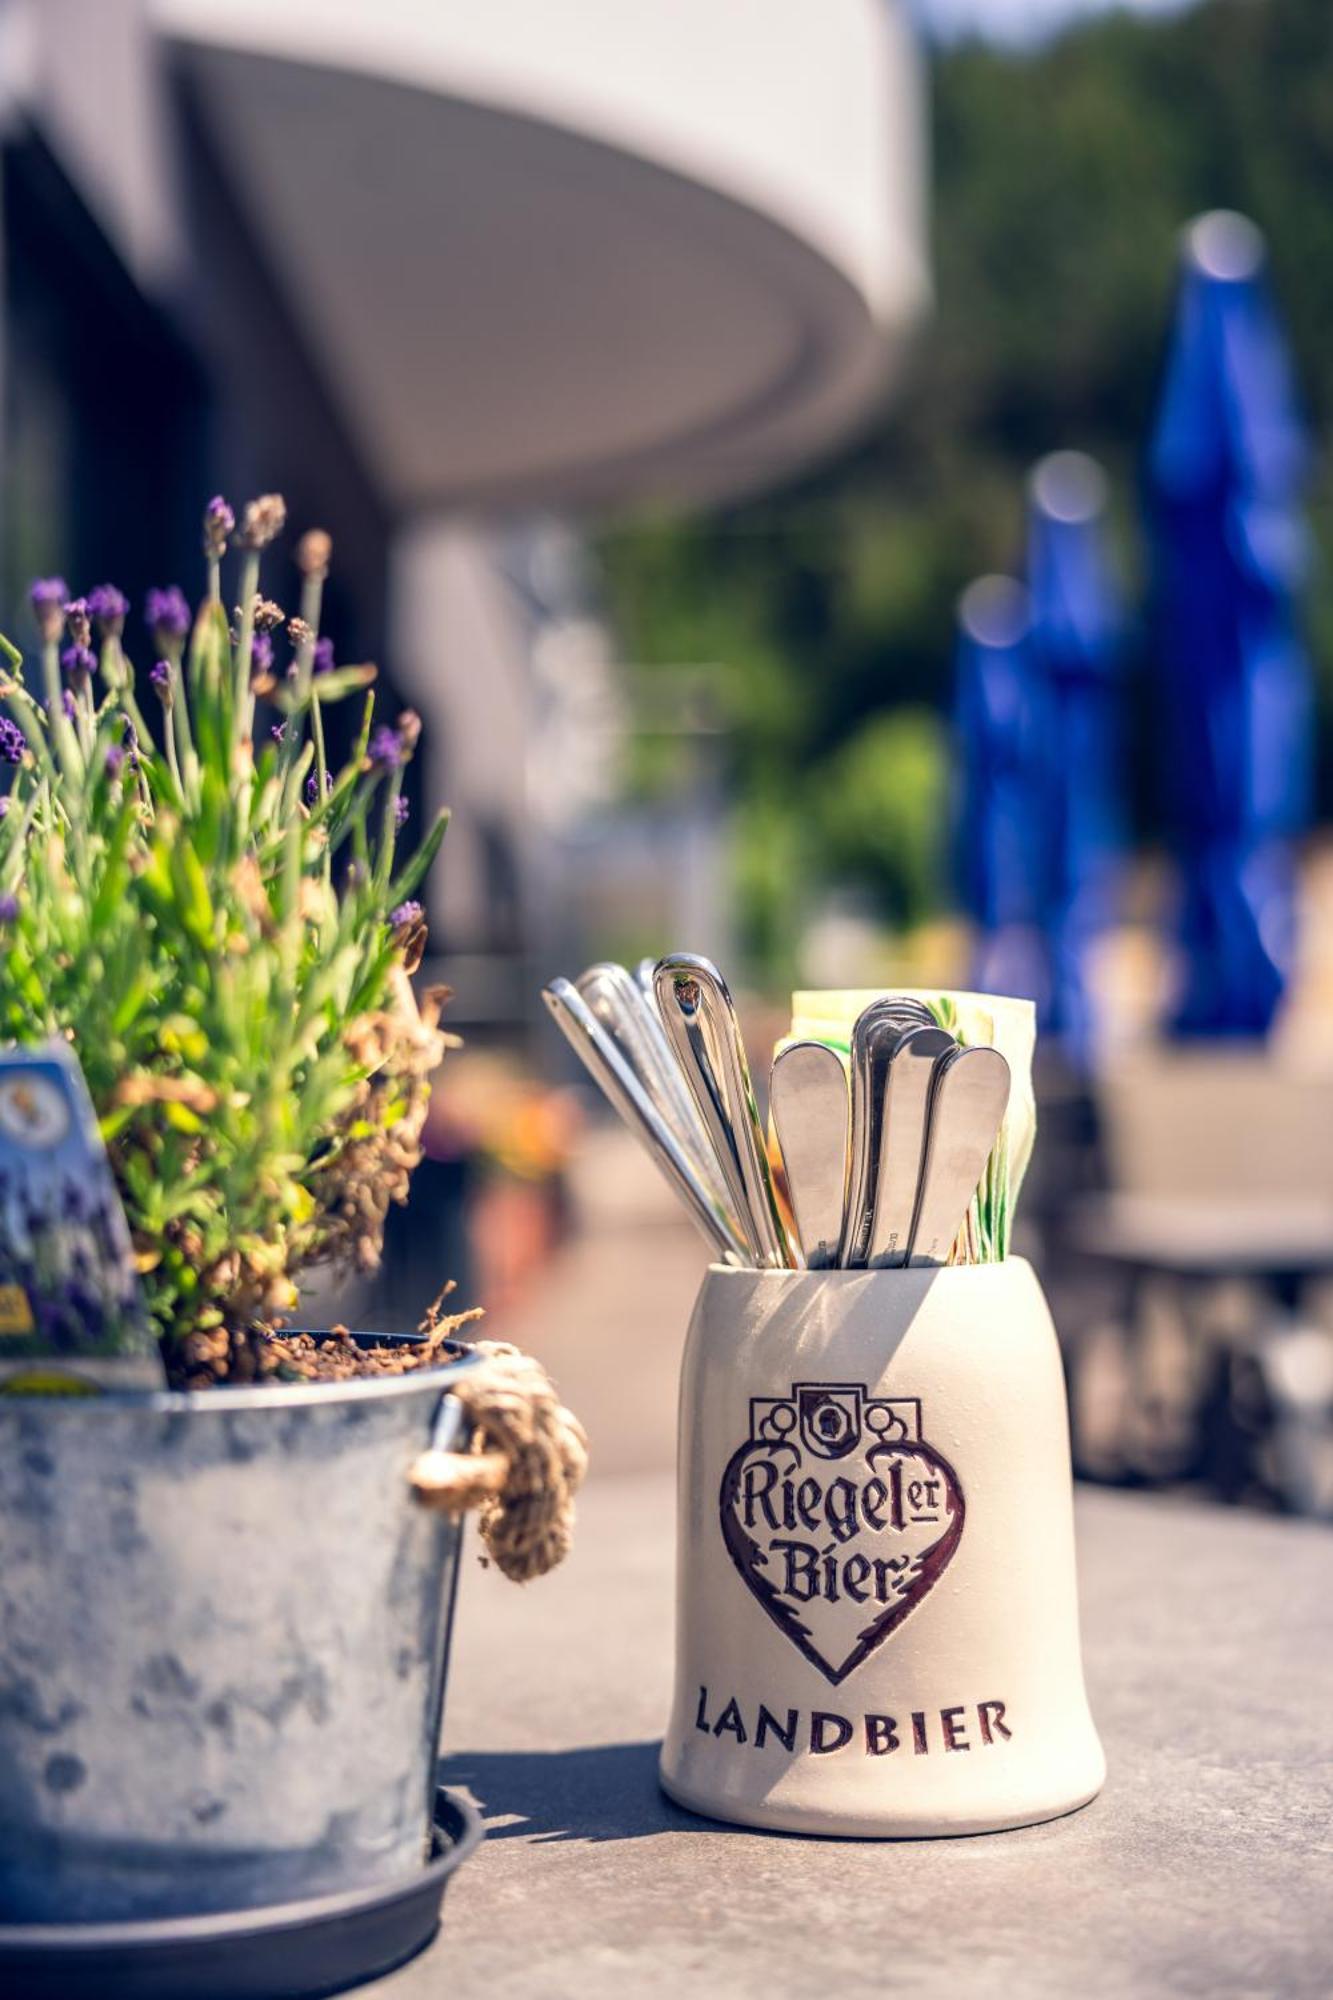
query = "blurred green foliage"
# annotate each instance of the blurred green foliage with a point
(1060, 181)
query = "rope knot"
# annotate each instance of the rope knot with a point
(526, 1462)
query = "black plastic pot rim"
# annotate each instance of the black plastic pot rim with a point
(83, 1945)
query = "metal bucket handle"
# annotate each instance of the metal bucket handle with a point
(523, 1460)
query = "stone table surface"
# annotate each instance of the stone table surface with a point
(1203, 1869)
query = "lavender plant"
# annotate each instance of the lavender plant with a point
(223, 926)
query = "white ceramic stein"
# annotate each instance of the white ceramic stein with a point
(877, 1620)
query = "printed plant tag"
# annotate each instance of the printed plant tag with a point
(72, 1316)
(840, 1517)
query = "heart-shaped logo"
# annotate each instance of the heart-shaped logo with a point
(839, 1517)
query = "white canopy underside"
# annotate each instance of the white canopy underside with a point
(530, 273)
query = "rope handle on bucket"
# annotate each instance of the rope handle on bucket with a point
(525, 1464)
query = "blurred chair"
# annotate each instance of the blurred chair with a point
(1213, 1361)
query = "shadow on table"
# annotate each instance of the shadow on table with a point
(607, 1791)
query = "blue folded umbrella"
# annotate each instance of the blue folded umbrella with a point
(1226, 467)
(1077, 626)
(1003, 731)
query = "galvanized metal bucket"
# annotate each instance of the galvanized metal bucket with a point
(224, 1634)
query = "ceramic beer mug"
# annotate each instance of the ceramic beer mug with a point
(877, 1625)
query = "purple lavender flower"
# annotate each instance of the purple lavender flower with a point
(401, 811)
(406, 914)
(4, 804)
(77, 663)
(160, 675)
(109, 607)
(219, 521)
(48, 597)
(386, 750)
(49, 593)
(9, 909)
(278, 732)
(78, 621)
(312, 787)
(167, 613)
(261, 654)
(322, 658)
(129, 736)
(69, 708)
(13, 743)
(115, 760)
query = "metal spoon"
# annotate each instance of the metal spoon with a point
(631, 1019)
(700, 1023)
(902, 1143)
(808, 1102)
(876, 1033)
(968, 1099)
(616, 1079)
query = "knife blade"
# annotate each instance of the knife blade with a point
(811, 1111)
(968, 1099)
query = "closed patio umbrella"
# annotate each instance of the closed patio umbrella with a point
(1077, 622)
(1001, 727)
(1226, 466)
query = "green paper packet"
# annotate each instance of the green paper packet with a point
(978, 1019)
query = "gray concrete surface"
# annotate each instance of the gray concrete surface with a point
(1203, 1871)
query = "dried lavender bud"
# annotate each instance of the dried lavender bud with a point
(13, 743)
(406, 915)
(266, 615)
(78, 622)
(401, 812)
(298, 631)
(261, 520)
(9, 909)
(322, 661)
(409, 729)
(313, 552)
(385, 749)
(48, 598)
(109, 607)
(219, 523)
(77, 664)
(167, 613)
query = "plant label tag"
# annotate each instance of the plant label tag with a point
(72, 1315)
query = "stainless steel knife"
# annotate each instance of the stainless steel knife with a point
(809, 1104)
(968, 1099)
